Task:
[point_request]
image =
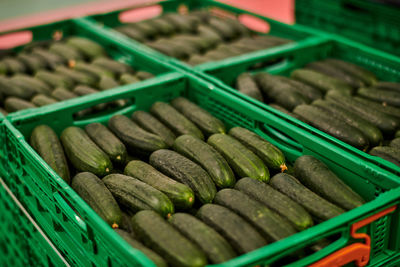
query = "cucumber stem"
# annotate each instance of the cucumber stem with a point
(114, 226)
(283, 167)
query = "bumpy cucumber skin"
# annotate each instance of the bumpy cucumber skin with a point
(14, 104)
(388, 153)
(246, 85)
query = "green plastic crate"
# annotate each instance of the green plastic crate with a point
(21, 243)
(85, 239)
(384, 65)
(369, 22)
(110, 20)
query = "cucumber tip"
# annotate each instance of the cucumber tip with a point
(114, 226)
(283, 167)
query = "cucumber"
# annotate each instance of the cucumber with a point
(321, 81)
(135, 138)
(321, 180)
(69, 53)
(54, 80)
(385, 97)
(144, 75)
(126, 223)
(270, 154)
(84, 90)
(397, 134)
(183, 23)
(162, 25)
(86, 47)
(14, 65)
(46, 143)
(185, 171)
(314, 204)
(135, 195)
(167, 50)
(152, 125)
(77, 76)
(282, 109)
(131, 33)
(39, 86)
(387, 124)
(3, 111)
(210, 35)
(32, 63)
(95, 71)
(309, 92)
(107, 141)
(83, 153)
(324, 121)
(174, 120)
(388, 153)
(52, 60)
(154, 257)
(180, 194)
(197, 59)
(370, 131)
(113, 66)
(207, 157)
(168, 242)
(244, 162)
(223, 28)
(390, 86)
(106, 83)
(43, 100)
(200, 44)
(128, 79)
(238, 232)
(246, 85)
(240, 29)
(389, 110)
(3, 68)
(365, 75)
(93, 191)
(213, 244)
(9, 88)
(62, 94)
(395, 143)
(13, 104)
(145, 28)
(276, 201)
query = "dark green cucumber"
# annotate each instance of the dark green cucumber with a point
(168, 242)
(210, 241)
(52, 60)
(282, 109)
(113, 66)
(107, 141)
(395, 143)
(370, 131)
(152, 125)
(83, 153)
(128, 78)
(84, 90)
(246, 85)
(389, 110)
(305, 90)
(174, 120)
(46, 143)
(325, 122)
(167, 50)
(390, 86)
(106, 83)
(180, 194)
(321, 180)
(32, 63)
(210, 35)
(146, 28)
(385, 97)
(276, 201)
(92, 189)
(387, 124)
(185, 171)
(54, 80)
(183, 23)
(244, 162)
(314, 204)
(131, 33)
(3, 68)
(126, 222)
(39, 86)
(95, 71)
(321, 81)
(207, 157)
(270, 154)
(67, 52)
(388, 153)
(154, 257)
(13, 104)
(200, 44)
(365, 75)
(10, 88)
(14, 65)
(86, 47)
(162, 25)
(397, 134)
(135, 138)
(77, 76)
(238, 232)
(43, 100)
(144, 75)
(62, 94)
(223, 28)
(135, 195)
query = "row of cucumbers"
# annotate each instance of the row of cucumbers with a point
(198, 37)
(44, 73)
(337, 97)
(179, 187)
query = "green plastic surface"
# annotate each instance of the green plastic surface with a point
(369, 22)
(86, 239)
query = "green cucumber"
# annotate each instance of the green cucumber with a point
(135, 195)
(321, 180)
(167, 50)
(397, 134)
(107, 141)
(223, 28)
(168, 242)
(305, 90)
(162, 25)
(183, 23)
(385, 97)
(14, 65)
(238, 232)
(95, 71)
(46, 143)
(210, 241)
(389, 110)
(62, 94)
(244, 162)
(180, 194)
(146, 28)
(83, 153)
(84, 90)
(32, 63)
(152, 125)
(43, 100)
(13, 104)
(67, 52)
(388, 153)
(365, 75)
(395, 143)
(207, 157)
(135, 138)
(9, 88)
(113, 66)
(86, 47)
(93, 191)
(314, 204)
(276, 201)
(107, 82)
(390, 86)
(209, 34)
(282, 109)
(246, 85)
(52, 60)
(54, 80)
(77, 76)
(144, 75)
(128, 79)
(185, 171)
(39, 86)
(126, 222)
(131, 33)
(175, 120)
(270, 154)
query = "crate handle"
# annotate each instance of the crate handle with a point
(69, 212)
(358, 252)
(13, 39)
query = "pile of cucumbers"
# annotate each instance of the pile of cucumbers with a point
(198, 37)
(47, 72)
(337, 97)
(185, 191)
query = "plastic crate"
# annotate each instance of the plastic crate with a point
(22, 243)
(85, 239)
(112, 19)
(384, 65)
(369, 22)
